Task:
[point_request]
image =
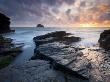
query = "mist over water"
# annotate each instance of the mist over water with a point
(25, 35)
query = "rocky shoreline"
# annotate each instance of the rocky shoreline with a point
(56, 48)
(56, 59)
(86, 63)
(8, 51)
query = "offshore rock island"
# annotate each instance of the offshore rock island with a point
(40, 26)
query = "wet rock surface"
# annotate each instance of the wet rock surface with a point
(58, 50)
(4, 23)
(58, 36)
(34, 71)
(66, 56)
(105, 39)
(8, 51)
(92, 62)
(100, 64)
(58, 61)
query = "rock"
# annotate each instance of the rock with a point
(55, 36)
(4, 23)
(54, 47)
(8, 51)
(65, 59)
(105, 39)
(35, 71)
(5, 43)
(52, 34)
(40, 25)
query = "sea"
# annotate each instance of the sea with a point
(89, 37)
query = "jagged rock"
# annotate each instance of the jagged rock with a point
(8, 51)
(4, 23)
(56, 36)
(52, 34)
(54, 47)
(66, 59)
(40, 25)
(105, 39)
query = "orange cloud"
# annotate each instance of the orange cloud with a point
(103, 7)
(90, 17)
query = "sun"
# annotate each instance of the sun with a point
(85, 25)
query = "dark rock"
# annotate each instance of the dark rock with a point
(104, 40)
(52, 34)
(55, 36)
(4, 23)
(40, 25)
(53, 47)
(63, 59)
(8, 51)
(35, 71)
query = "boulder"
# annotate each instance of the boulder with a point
(40, 25)
(104, 40)
(4, 23)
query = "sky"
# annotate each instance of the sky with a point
(57, 13)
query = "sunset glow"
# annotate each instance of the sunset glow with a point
(86, 25)
(83, 13)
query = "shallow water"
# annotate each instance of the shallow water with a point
(25, 35)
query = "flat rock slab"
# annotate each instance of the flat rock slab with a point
(55, 47)
(34, 71)
(57, 36)
(65, 57)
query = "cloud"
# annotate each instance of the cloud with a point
(69, 1)
(52, 12)
(105, 17)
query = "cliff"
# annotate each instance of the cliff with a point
(4, 23)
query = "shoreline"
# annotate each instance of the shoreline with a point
(81, 60)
